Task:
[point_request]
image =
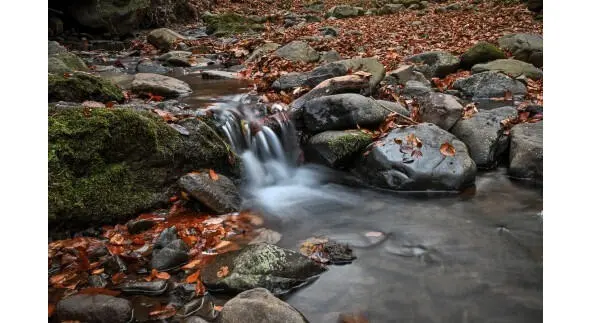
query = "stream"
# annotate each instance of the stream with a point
(474, 257)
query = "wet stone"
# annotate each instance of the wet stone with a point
(98, 281)
(94, 309)
(202, 306)
(140, 287)
(137, 226)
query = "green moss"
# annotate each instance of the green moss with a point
(230, 24)
(481, 53)
(80, 87)
(65, 62)
(348, 144)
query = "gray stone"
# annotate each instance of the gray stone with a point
(484, 135)
(341, 112)
(390, 8)
(389, 166)
(482, 52)
(65, 62)
(148, 66)
(524, 47)
(415, 89)
(94, 309)
(330, 56)
(405, 73)
(526, 153)
(370, 65)
(159, 85)
(511, 67)
(440, 109)
(170, 257)
(298, 51)
(54, 47)
(310, 79)
(329, 31)
(435, 63)
(336, 148)
(344, 11)
(489, 85)
(394, 106)
(219, 195)
(260, 265)
(259, 305)
(163, 38)
(262, 50)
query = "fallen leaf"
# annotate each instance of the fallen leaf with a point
(200, 288)
(447, 149)
(218, 308)
(193, 277)
(164, 313)
(98, 271)
(118, 278)
(192, 264)
(167, 116)
(51, 310)
(223, 272)
(118, 239)
(213, 175)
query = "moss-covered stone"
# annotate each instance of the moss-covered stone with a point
(80, 87)
(65, 62)
(481, 53)
(106, 165)
(336, 148)
(230, 24)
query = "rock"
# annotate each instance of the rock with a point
(94, 309)
(142, 287)
(81, 87)
(262, 50)
(440, 109)
(219, 75)
(535, 5)
(230, 23)
(329, 31)
(65, 63)
(484, 135)
(259, 305)
(152, 67)
(482, 52)
(163, 38)
(137, 226)
(54, 47)
(195, 319)
(56, 25)
(106, 165)
(115, 17)
(259, 265)
(310, 79)
(526, 153)
(97, 281)
(435, 63)
(336, 148)
(159, 85)
(511, 67)
(387, 166)
(298, 51)
(330, 56)
(453, 6)
(369, 65)
(178, 58)
(394, 106)
(219, 195)
(524, 47)
(170, 257)
(489, 85)
(405, 73)
(341, 112)
(343, 11)
(415, 89)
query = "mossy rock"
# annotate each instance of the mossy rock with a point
(230, 24)
(481, 53)
(80, 87)
(64, 63)
(336, 148)
(105, 165)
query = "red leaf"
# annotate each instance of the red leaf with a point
(118, 278)
(193, 277)
(447, 149)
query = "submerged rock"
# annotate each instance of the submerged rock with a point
(220, 195)
(260, 265)
(141, 287)
(80, 87)
(526, 154)
(94, 309)
(259, 305)
(336, 148)
(484, 135)
(159, 85)
(392, 166)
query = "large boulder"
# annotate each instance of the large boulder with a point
(524, 47)
(65, 63)
(94, 309)
(80, 86)
(435, 63)
(344, 11)
(489, 85)
(393, 166)
(259, 305)
(440, 109)
(341, 112)
(106, 165)
(298, 51)
(484, 135)
(159, 85)
(163, 38)
(481, 53)
(260, 265)
(219, 194)
(309, 79)
(368, 64)
(336, 148)
(511, 67)
(526, 154)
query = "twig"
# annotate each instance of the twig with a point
(405, 118)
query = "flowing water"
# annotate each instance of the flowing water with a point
(476, 257)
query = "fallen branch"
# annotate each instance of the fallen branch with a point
(340, 84)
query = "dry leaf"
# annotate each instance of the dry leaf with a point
(223, 272)
(447, 149)
(193, 277)
(213, 175)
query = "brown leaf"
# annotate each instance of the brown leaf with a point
(192, 264)
(98, 271)
(193, 277)
(118, 239)
(223, 272)
(118, 278)
(167, 116)
(164, 313)
(51, 310)
(213, 175)
(447, 149)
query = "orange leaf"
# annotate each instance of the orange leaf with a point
(163, 313)
(117, 239)
(163, 275)
(447, 149)
(223, 272)
(192, 264)
(213, 175)
(118, 278)
(98, 271)
(193, 277)
(218, 308)
(199, 288)
(167, 116)
(51, 309)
